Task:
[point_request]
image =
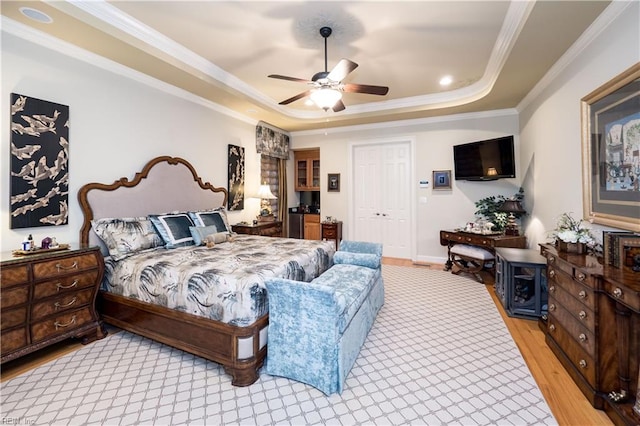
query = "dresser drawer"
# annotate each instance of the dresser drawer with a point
(12, 340)
(65, 265)
(577, 331)
(14, 296)
(62, 303)
(329, 233)
(560, 298)
(60, 324)
(13, 275)
(580, 359)
(581, 292)
(13, 317)
(72, 283)
(623, 294)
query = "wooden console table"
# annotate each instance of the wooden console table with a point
(594, 318)
(487, 242)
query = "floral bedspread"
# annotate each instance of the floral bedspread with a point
(225, 282)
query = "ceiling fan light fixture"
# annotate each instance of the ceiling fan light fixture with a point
(325, 98)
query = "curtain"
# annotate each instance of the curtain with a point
(271, 141)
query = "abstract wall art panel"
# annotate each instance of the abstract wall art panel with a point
(236, 178)
(39, 184)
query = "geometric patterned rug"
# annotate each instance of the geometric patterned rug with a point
(439, 353)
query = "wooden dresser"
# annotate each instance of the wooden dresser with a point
(49, 297)
(332, 231)
(593, 328)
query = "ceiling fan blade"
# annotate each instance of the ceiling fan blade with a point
(284, 77)
(339, 106)
(296, 97)
(341, 70)
(364, 88)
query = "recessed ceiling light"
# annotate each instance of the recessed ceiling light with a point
(446, 80)
(36, 15)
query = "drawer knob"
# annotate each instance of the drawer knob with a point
(552, 307)
(61, 286)
(552, 327)
(582, 337)
(582, 315)
(582, 294)
(551, 259)
(552, 289)
(617, 292)
(581, 276)
(59, 305)
(60, 266)
(59, 325)
(582, 363)
(552, 273)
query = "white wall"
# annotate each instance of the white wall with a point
(434, 139)
(550, 134)
(116, 126)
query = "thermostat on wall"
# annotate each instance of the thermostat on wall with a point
(424, 184)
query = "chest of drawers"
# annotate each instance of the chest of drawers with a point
(46, 298)
(592, 327)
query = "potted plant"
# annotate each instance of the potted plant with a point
(572, 235)
(490, 209)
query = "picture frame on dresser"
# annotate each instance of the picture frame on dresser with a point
(610, 142)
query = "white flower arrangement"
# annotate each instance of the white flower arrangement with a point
(571, 230)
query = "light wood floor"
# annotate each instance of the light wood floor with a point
(567, 403)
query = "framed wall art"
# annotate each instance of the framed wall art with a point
(441, 179)
(333, 182)
(611, 152)
(39, 180)
(235, 175)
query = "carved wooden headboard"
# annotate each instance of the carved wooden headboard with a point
(165, 184)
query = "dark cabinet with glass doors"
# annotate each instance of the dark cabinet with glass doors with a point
(521, 282)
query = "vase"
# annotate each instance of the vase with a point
(578, 248)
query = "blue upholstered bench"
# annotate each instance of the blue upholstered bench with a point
(316, 329)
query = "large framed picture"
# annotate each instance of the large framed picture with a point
(611, 152)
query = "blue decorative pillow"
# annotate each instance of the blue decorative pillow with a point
(173, 228)
(217, 218)
(199, 233)
(368, 260)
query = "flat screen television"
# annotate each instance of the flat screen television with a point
(485, 160)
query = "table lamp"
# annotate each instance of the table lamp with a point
(512, 207)
(265, 194)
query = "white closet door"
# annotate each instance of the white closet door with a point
(382, 204)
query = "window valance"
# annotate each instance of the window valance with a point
(271, 141)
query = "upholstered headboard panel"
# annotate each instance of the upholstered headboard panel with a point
(165, 184)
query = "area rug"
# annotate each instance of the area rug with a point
(439, 353)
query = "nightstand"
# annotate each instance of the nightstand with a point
(49, 297)
(265, 229)
(332, 231)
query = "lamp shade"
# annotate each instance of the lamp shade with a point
(265, 193)
(491, 171)
(325, 98)
(512, 206)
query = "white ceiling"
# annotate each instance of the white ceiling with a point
(223, 51)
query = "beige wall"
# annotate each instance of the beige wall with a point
(116, 126)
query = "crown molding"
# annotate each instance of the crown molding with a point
(515, 19)
(602, 22)
(45, 40)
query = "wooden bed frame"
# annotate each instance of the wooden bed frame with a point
(171, 184)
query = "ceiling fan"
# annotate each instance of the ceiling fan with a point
(327, 86)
